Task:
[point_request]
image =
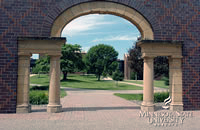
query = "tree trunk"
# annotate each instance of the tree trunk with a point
(38, 74)
(99, 77)
(64, 75)
(116, 83)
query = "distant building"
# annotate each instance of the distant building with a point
(121, 65)
(127, 68)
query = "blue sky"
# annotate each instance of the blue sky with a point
(90, 30)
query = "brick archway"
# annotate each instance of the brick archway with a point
(169, 20)
(103, 7)
(28, 46)
(146, 31)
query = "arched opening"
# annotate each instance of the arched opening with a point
(103, 8)
(123, 11)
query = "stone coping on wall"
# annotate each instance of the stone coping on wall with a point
(159, 41)
(40, 45)
(41, 38)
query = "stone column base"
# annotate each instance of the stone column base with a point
(54, 108)
(176, 107)
(23, 109)
(148, 108)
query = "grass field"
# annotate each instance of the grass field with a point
(85, 82)
(157, 83)
(138, 97)
(158, 97)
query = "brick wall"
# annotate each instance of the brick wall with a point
(170, 20)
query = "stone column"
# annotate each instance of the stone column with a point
(170, 77)
(54, 105)
(125, 67)
(128, 71)
(176, 84)
(23, 105)
(148, 90)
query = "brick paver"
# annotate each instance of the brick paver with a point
(89, 110)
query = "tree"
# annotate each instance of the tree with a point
(117, 76)
(42, 65)
(101, 59)
(71, 59)
(136, 61)
(161, 67)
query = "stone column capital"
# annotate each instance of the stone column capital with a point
(175, 57)
(54, 54)
(148, 58)
(23, 54)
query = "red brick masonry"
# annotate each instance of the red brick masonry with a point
(170, 20)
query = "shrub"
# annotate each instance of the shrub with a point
(117, 76)
(166, 79)
(133, 76)
(160, 97)
(39, 88)
(38, 97)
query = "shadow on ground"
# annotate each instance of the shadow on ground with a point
(71, 109)
(97, 108)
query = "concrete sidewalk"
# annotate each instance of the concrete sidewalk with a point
(90, 110)
(141, 85)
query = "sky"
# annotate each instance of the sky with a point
(93, 29)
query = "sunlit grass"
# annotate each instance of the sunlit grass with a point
(85, 82)
(157, 83)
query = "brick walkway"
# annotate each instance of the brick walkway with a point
(89, 110)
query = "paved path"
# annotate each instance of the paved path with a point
(141, 85)
(89, 110)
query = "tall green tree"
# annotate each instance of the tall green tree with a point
(71, 59)
(42, 65)
(161, 67)
(136, 61)
(101, 59)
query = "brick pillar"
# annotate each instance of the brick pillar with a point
(23, 105)
(54, 105)
(176, 84)
(148, 90)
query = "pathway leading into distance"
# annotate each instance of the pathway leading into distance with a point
(89, 110)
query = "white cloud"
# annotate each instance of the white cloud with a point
(35, 56)
(117, 38)
(84, 23)
(85, 49)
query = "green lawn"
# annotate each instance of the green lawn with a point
(157, 83)
(158, 97)
(85, 82)
(130, 96)
(43, 79)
